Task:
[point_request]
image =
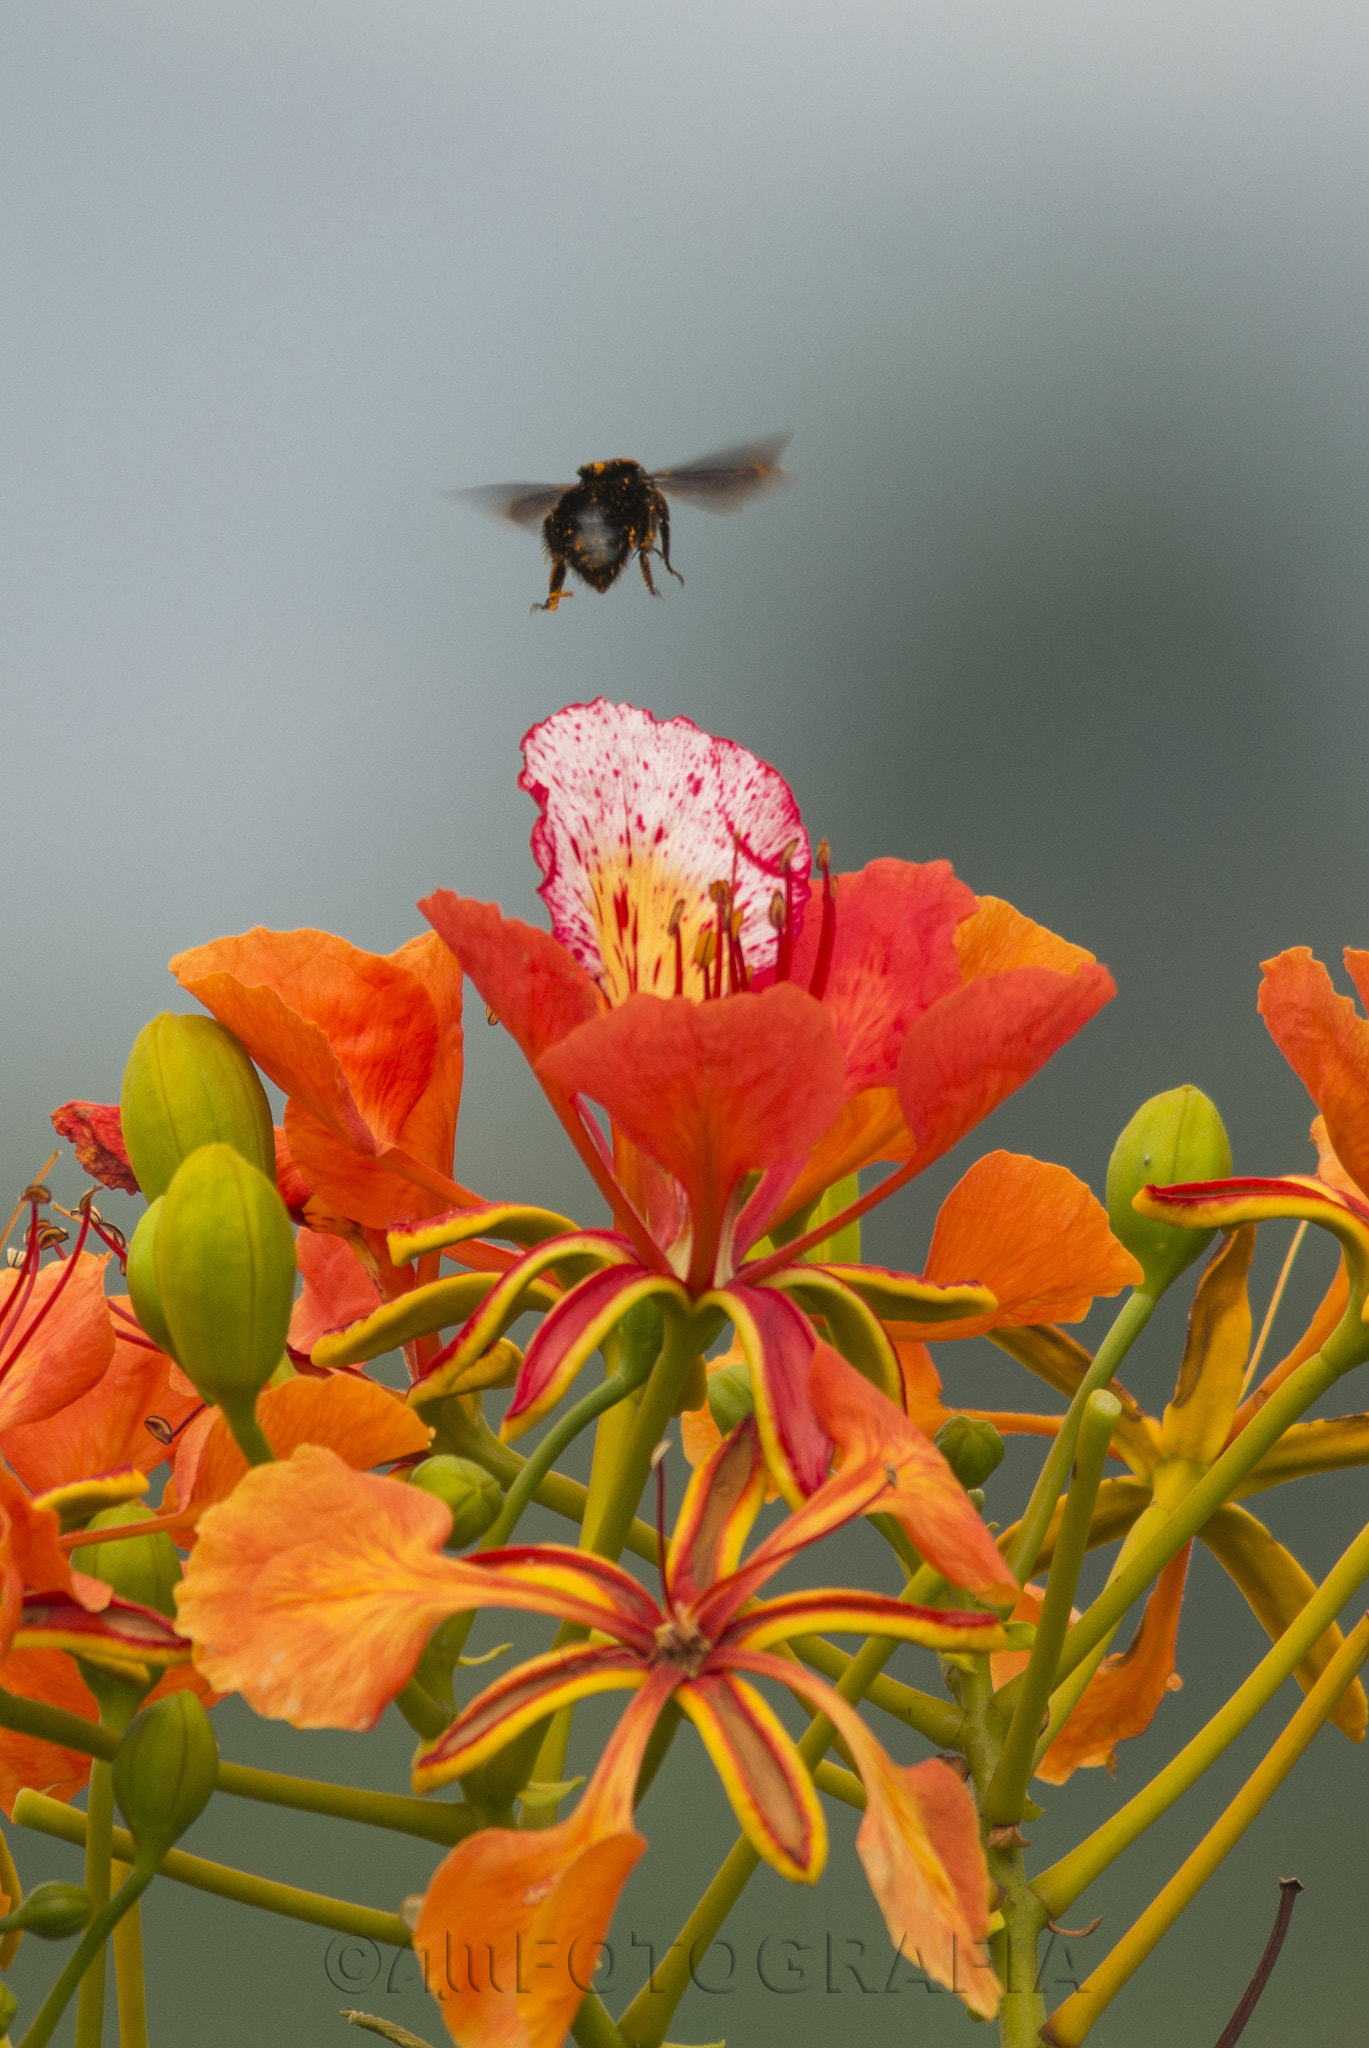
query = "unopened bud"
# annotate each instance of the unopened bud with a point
(189, 1082)
(224, 1260)
(141, 1275)
(54, 1912)
(164, 1771)
(1177, 1136)
(730, 1399)
(9, 2006)
(472, 1494)
(972, 1448)
(141, 1568)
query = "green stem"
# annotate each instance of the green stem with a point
(1127, 1326)
(592, 2026)
(1005, 1800)
(939, 1721)
(561, 1434)
(1265, 1427)
(471, 1437)
(1060, 1885)
(1072, 2021)
(92, 1945)
(434, 1820)
(129, 1980)
(248, 1433)
(90, 2008)
(51, 1817)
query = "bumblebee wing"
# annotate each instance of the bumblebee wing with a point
(730, 479)
(523, 504)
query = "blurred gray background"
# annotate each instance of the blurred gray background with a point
(1066, 306)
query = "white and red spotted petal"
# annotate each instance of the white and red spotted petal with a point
(640, 816)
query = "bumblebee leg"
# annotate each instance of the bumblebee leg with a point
(642, 554)
(665, 547)
(556, 588)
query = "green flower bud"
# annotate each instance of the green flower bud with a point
(973, 1449)
(472, 1494)
(141, 1568)
(189, 1082)
(53, 1912)
(730, 1399)
(142, 1277)
(164, 1771)
(224, 1260)
(9, 2006)
(1177, 1136)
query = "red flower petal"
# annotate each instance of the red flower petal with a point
(534, 987)
(713, 1090)
(96, 1131)
(969, 1053)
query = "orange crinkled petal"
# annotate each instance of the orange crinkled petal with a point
(363, 1423)
(60, 1343)
(104, 1428)
(313, 1588)
(1034, 1235)
(506, 1897)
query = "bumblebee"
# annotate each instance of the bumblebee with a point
(617, 510)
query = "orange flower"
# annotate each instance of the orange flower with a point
(313, 1591)
(368, 1050)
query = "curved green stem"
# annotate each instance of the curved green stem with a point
(1072, 2021)
(435, 1820)
(129, 1982)
(92, 1945)
(1025, 1547)
(1265, 1427)
(562, 1433)
(1060, 1885)
(51, 1817)
(1005, 1799)
(90, 2009)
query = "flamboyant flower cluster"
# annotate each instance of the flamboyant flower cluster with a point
(746, 1055)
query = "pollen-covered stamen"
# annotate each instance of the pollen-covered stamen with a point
(705, 946)
(738, 969)
(673, 928)
(720, 895)
(827, 936)
(160, 1429)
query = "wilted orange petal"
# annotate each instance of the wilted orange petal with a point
(95, 1131)
(920, 1848)
(1120, 1699)
(104, 1428)
(1196, 1422)
(1033, 1234)
(1326, 1043)
(1329, 1314)
(69, 1350)
(337, 1288)
(363, 1423)
(998, 938)
(542, 1898)
(921, 1384)
(313, 1589)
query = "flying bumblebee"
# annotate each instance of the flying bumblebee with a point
(618, 509)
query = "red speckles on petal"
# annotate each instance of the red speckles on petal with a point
(639, 815)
